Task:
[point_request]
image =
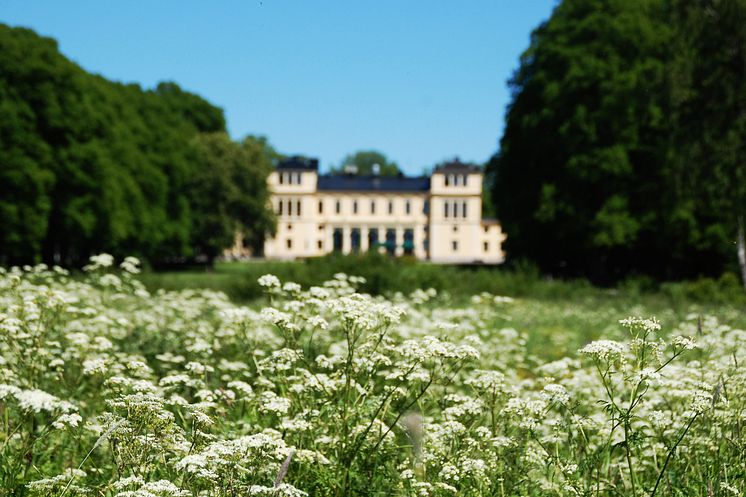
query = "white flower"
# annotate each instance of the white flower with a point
(270, 402)
(269, 281)
(94, 366)
(40, 401)
(555, 393)
(66, 420)
(604, 349)
(685, 343)
(637, 323)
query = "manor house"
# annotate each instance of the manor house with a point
(436, 218)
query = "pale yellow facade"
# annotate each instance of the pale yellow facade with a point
(437, 219)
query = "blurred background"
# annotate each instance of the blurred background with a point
(612, 134)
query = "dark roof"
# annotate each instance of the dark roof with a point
(298, 163)
(341, 183)
(456, 166)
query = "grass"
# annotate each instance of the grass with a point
(561, 315)
(109, 390)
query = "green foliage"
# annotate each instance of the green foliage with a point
(708, 91)
(89, 165)
(623, 150)
(582, 148)
(228, 192)
(364, 161)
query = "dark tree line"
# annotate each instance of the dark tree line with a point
(623, 150)
(89, 165)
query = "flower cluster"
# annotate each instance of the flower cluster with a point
(107, 388)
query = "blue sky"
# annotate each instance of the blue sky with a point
(421, 81)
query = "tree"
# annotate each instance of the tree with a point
(229, 193)
(364, 160)
(709, 95)
(89, 165)
(582, 158)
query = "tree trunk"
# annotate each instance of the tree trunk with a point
(742, 251)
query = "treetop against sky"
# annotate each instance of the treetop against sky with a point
(420, 81)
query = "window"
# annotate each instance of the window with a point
(320, 244)
(457, 180)
(452, 179)
(372, 206)
(321, 206)
(373, 239)
(464, 180)
(337, 239)
(454, 245)
(279, 207)
(297, 178)
(390, 241)
(290, 207)
(298, 210)
(486, 229)
(408, 207)
(338, 207)
(455, 228)
(321, 227)
(446, 209)
(354, 206)
(426, 207)
(391, 207)
(486, 246)
(408, 244)
(355, 240)
(463, 209)
(448, 180)
(289, 243)
(290, 227)
(282, 178)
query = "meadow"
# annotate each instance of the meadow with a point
(112, 385)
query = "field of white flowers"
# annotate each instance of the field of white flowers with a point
(109, 390)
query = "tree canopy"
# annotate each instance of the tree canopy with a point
(364, 160)
(90, 165)
(596, 170)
